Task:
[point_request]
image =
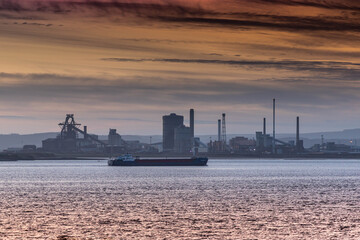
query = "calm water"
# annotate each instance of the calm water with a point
(229, 199)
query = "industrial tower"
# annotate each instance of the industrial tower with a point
(223, 132)
(68, 128)
(273, 140)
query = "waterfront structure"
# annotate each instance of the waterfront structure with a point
(183, 139)
(192, 122)
(69, 141)
(219, 130)
(242, 144)
(299, 143)
(114, 139)
(170, 122)
(273, 138)
(223, 132)
(263, 142)
(199, 147)
(215, 146)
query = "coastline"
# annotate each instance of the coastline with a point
(97, 156)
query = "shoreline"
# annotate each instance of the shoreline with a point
(52, 156)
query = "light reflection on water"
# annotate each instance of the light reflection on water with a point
(229, 199)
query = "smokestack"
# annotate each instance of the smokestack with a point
(219, 130)
(297, 133)
(85, 132)
(223, 131)
(273, 141)
(192, 122)
(264, 128)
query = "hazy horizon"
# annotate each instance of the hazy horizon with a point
(205, 134)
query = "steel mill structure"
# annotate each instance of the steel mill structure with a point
(180, 139)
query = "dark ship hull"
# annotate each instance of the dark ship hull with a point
(196, 161)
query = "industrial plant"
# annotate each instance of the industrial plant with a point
(69, 139)
(72, 139)
(180, 140)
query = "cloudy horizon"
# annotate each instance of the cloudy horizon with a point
(123, 64)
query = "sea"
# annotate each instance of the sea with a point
(228, 199)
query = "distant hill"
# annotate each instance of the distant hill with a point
(345, 134)
(17, 140)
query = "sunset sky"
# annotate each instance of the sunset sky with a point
(123, 64)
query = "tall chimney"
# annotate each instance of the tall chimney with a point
(297, 133)
(273, 140)
(264, 128)
(85, 132)
(192, 122)
(219, 130)
(223, 132)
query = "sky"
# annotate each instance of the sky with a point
(123, 64)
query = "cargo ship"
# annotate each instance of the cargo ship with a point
(129, 160)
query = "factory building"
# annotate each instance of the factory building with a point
(170, 122)
(220, 145)
(242, 145)
(114, 139)
(268, 144)
(176, 136)
(216, 146)
(263, 142)
(199, 147)
(114, 143)
(68, 141)
(183, 139)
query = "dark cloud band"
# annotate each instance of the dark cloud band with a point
(345, 68)
(229, 14)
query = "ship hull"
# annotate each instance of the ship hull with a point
(199, 161)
